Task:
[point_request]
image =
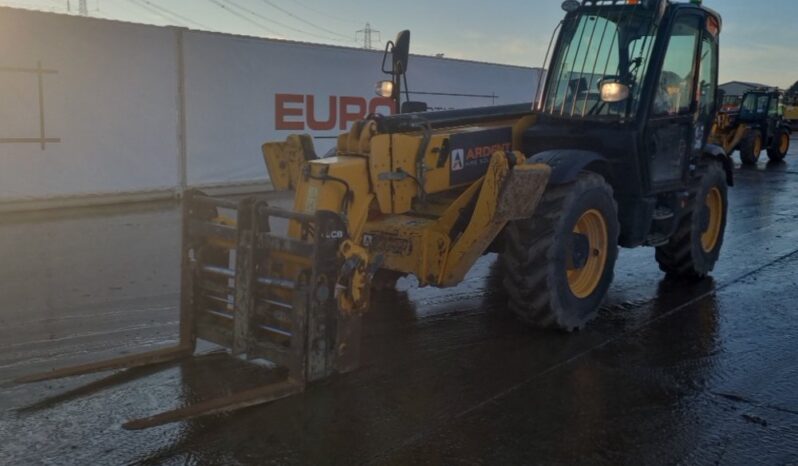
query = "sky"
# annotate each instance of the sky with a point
(759, 42)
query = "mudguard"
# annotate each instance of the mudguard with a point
(716, 152)
(566, 164)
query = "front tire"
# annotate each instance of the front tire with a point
(751, 148)
(781, 145)
(559, 264)
(694, 249)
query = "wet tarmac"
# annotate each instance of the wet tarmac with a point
(668, 373)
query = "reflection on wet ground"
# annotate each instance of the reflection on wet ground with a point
(669, 373)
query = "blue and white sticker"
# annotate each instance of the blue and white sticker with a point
(458, 160)
(471, 152)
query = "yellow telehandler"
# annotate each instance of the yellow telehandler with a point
(613, 153)
(759, 124)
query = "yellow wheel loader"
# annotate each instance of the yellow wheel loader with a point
(612, 154)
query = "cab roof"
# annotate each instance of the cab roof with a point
(662, 4)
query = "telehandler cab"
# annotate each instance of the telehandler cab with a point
(612, 153)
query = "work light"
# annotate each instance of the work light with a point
(570, 5)
(613, 92)
(385, 88)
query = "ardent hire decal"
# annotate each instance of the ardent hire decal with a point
(471, 152)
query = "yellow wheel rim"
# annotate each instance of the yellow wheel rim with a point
(714, 204)
(583, 281)
(785, 143)
(757, 146)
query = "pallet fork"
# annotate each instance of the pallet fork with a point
(238, 293)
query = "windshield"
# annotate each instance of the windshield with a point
(599, 44)
(754, 106)
(731, 102)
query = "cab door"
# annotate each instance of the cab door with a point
(672, 125)
(707, 86)
(775, 114)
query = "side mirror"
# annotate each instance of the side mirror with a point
(614, 92)
(414, 107)
(401, 52)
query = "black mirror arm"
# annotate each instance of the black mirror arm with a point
(388, 49)
(407, 89)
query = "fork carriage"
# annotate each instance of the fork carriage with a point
(233, 295)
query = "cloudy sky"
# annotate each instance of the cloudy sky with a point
(760, 38)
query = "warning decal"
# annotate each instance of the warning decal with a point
(471, 152)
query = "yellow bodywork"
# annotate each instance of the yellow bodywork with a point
(727, 133)
(284, 160)
(791, 113)
(401, 205)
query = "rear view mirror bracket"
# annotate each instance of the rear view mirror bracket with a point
(388, 50)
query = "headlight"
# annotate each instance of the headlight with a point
(385, 89)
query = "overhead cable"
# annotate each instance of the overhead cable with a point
(299, 18)
(245, 18)
(264, 18)
(326, 14)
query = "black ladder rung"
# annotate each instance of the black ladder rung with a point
(275, 330)
(266, 281)
(275, 303)
(222, 271)
(220, 314)
(277, 282)
(218, 299)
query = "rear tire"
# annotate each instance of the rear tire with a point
(751, 148)
(693, 250)
(781, 145)
(573, 224)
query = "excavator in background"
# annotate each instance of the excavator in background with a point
(613, 153)
(758, 124)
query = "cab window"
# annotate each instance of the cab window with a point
(675, 89)
(754, 106)
(774, 108)
(707, 84)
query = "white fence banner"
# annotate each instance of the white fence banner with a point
(242, 92)
(87, 106)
